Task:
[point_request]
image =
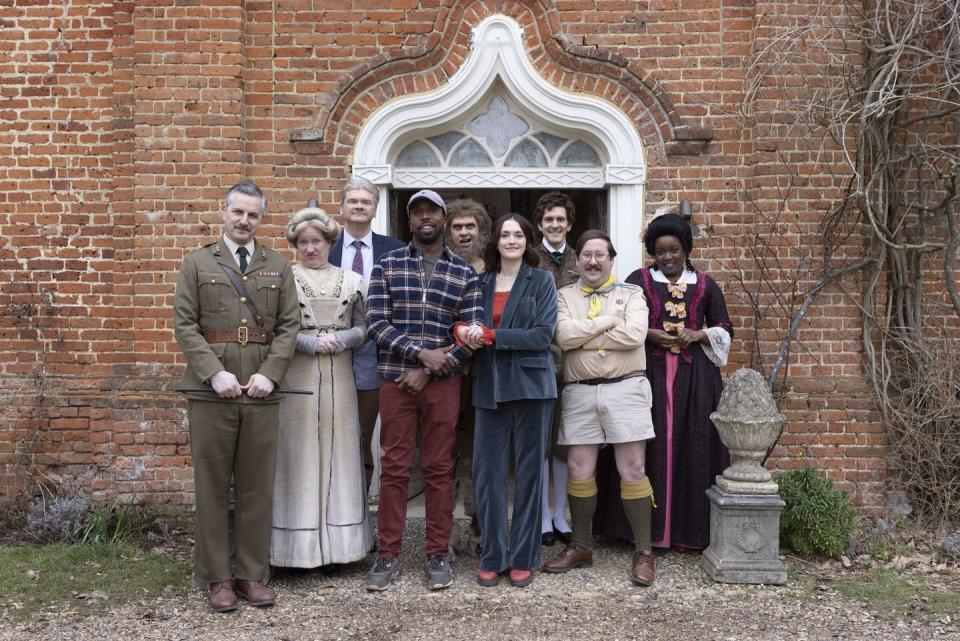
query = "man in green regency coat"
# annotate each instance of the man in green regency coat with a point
(240, 353)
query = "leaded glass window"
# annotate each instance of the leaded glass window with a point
(499, 137)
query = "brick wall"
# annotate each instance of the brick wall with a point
(122, 123)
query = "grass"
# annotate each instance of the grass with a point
(890, 591)
(60, 578)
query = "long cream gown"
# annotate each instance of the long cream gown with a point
(320, 506)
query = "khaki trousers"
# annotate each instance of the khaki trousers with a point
(238, 441)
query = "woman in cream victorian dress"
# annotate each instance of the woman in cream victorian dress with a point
(320, 505)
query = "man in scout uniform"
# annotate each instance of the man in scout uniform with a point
(601, 328)
(236, 319)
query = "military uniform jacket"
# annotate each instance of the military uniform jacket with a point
(206, 299)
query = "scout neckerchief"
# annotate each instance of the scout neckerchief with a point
(595, 308)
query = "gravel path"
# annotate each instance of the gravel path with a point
(588, 604)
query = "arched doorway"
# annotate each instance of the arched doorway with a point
(500, 133)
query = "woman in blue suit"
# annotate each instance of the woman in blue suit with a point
(514, 391)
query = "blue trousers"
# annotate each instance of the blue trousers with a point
(527, 423)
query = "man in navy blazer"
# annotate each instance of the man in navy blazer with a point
(358, 249)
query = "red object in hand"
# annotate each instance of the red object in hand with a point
(489, 335)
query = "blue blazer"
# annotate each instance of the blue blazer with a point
(519, 365)
(381, 245)
(365, 375)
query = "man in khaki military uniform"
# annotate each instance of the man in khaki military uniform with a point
(241, 354)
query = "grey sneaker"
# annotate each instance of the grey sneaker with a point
(439, 572)
(383, 572)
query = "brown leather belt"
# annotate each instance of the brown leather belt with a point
(242, 335)
(608, 381)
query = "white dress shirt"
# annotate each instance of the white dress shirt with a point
(551, 249)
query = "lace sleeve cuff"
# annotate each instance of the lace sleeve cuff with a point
(719, 348)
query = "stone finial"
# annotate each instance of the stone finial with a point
(749, 423)
(746, 397)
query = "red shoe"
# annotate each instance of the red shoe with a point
(487, 578)
(520, 578)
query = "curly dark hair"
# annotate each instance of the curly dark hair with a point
(669, 225)
(491, 257)
(553, 199)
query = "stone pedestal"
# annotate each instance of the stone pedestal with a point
(744, 538)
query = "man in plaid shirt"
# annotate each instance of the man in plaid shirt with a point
(415, 296)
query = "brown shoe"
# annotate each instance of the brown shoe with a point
(572, 556)
(256, 593)
(644, 568)
(222, 598)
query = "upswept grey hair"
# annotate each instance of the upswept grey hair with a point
(360, 183)
(312, 217)
(247, 188)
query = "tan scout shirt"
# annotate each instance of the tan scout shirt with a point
(205, 299)
(608, 346)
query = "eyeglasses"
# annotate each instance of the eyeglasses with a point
(598, 256)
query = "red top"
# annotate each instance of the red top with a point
(499, 302)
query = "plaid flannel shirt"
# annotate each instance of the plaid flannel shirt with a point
(404, 317)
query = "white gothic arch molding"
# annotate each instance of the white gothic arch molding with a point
(498, 54)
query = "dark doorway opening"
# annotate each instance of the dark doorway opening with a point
(590, 205)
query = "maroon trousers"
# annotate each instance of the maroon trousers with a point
(434, 412)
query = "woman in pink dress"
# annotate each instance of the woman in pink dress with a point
(687, 343)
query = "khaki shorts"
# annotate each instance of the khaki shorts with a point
(611, 413)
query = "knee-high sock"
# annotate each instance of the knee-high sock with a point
(546, 516)
(560, 494)
(583, 503)
(637, 499)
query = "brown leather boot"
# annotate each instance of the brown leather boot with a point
(572, 556)
(256, 593)
(222, 598)
(644, 568)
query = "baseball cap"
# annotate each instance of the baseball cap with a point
(427, 194)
